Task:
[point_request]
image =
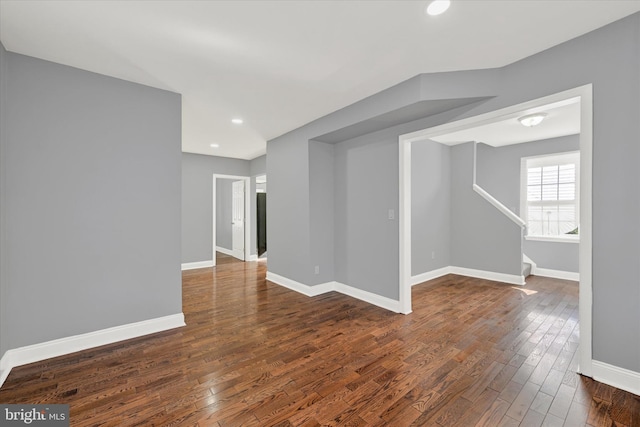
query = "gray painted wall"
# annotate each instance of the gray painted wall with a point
(4, 329)
(288, 224)
(481, 237)
(288, 221)
(92, 202)
(321, 199)
(554, 255)
(430, 206)
(197, 202)
(498, 172)
(366, 188)
(258, 166)
(224, 213)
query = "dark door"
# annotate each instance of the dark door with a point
(262, 223)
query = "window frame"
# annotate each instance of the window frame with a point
(549, 160)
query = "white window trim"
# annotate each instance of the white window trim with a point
(544, 160)
(572, 238)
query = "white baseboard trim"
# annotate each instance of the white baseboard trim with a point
(489, 275)
(469, 272)
(224, 250)
(384, 302)
(430, 275)
(195, 265)
(46, 350)
(312, 291)
(366, 296)
(621, 378)
(557, 274)
(253, 257)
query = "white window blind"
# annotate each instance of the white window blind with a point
(550, 195)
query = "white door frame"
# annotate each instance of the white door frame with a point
(247, 207)
(585, 93)
(238, 240)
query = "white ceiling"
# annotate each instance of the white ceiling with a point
(281, 64)
(562, 119)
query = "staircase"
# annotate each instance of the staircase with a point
(528, 266)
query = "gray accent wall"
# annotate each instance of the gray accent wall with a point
(430, 206)
(4, 285)
(498, 172)
(607, 58)
(91, 202)
(197, 201)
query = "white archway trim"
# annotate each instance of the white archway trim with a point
(585, 96)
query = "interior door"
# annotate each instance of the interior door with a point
(237, 231)
(262, 222)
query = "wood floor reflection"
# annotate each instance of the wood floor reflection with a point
(473, 352)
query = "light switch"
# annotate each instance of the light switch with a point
(392, 214)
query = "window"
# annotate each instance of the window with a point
(550, 202)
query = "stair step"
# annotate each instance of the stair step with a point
(526, 269)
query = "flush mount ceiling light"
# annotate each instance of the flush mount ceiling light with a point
(236, 121)
(214, 145)
(437, 7)
(531, 120)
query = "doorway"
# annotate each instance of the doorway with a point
(261, 215)
(584, 93)
(243, 229)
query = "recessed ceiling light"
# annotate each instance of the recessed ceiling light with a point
(437, 7)
(214, 145)
(236, 121)
(532, 119)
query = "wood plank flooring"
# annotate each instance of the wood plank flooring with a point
(473, 353)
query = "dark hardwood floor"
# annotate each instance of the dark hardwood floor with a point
(473, 353)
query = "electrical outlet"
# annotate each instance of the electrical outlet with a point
(433, 255)
(317, 269)
(392, 214)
